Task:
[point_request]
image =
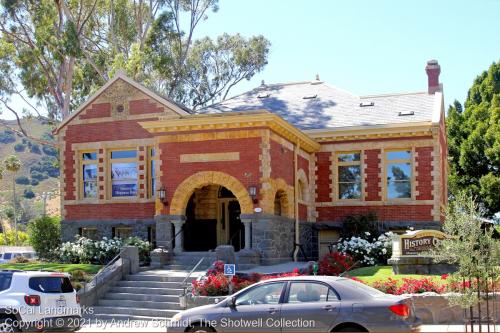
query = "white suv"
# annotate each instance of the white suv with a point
(38, 301)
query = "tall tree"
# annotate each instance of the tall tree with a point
(57, 52)
(13, 164)
(474, 141)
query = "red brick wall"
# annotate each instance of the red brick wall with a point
(111, 211)
(105, 131)
(303, 164)
(144, 106)
(98, 110)
(323, 188)
(384, 213)
(373, 175)
(246, 170)
(282, 163)
(424, 173)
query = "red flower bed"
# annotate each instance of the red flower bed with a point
(335, 263)
(409, 286)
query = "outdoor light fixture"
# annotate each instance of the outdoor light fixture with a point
(252, 190)
(162, 195)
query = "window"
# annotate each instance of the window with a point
(398, 173)
(90, 233)
(308, 292)
(123, 173)
(5, 280)
(269, 293)
(278, 203)
(349, 175)
(51, 284)
(301, 190)
(89, 174)
(152, 172)
(122, 232)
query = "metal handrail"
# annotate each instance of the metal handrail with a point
(231, 238)
(94, 280)
(192, 270)
(178, 232)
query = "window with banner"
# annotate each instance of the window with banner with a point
(123, 173)
(349, 176)
(398, 174)
(152, 165)
(88, 167)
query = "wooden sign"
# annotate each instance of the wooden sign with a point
(420, 241)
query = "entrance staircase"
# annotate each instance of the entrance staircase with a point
(147, 295)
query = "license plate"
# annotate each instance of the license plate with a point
(61, 303)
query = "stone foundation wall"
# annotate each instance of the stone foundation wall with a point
(69, 228)
(273, 236)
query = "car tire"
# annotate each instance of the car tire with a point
(350, 329)
(7, 326)
(201, 329)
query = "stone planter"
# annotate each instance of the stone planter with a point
(194, 301)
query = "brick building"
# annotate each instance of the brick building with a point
(278, 165)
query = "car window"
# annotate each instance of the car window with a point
(51, 284)
(268, 293)
(7, 256)
(308, 292)
(5, 280)
(361, 287)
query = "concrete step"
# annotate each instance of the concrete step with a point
(139, 290)
(142, 304)
(148, 284)
(141, 297)
(154, 278)
(106, 317)
(178, 268)
(115, 310)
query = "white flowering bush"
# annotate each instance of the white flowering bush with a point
(366, 252)
(87, 251)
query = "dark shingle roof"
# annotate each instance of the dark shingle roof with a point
(317, 105)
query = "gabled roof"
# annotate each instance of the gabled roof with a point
(120, 75)
(317, 105)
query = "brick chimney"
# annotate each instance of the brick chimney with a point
(433, 70)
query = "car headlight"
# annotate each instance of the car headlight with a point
(177, 317)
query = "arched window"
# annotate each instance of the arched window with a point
(301, 190)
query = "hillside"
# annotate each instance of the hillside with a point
(39, 170)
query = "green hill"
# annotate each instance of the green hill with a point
(40, 171)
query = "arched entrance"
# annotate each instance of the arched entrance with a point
(212, 219)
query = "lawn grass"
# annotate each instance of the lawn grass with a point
(381, 273)
(68, 268)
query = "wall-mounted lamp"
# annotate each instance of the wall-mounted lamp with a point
(252, 190)
(162, 195)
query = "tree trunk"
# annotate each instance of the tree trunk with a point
(14, 204)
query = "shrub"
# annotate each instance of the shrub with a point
(7, 137)
(38, 175)
(35, 149)
(143, 246)
(51, 151)
(45, 236)
(365, 252)
(20, 260)
(389, 286)
(22, 180)
(87, 251)
(28, 193)
(9, 238)
(19, 147)
(34, 182)
(335, 263)
(360, 224)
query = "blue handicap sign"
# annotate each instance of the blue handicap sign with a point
(229, 269)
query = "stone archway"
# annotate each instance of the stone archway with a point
(268, 194)
(303, 186)
(185, 189)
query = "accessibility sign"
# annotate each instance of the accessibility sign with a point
(229, 269)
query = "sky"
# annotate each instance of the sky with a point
(366, 47)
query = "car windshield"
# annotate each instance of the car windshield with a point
(362, 287)
(51, 284)
(5, 279)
